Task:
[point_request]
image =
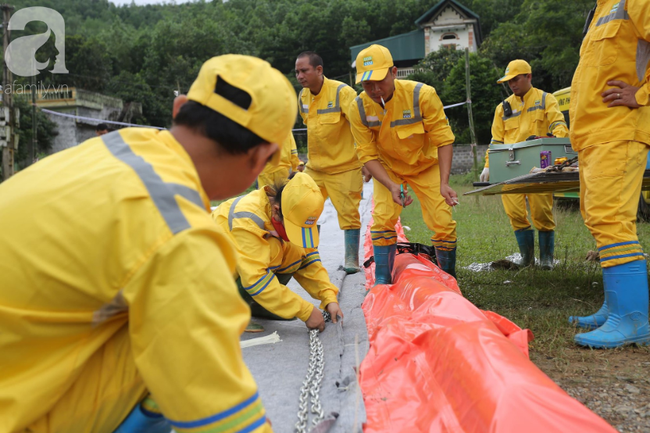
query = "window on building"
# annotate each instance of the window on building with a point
(447, 36)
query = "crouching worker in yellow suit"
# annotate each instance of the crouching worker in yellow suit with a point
(274, 229)
(114, 309)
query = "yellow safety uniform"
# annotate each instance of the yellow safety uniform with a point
(332, 157)
(295, 161)
(112, 286)
(247, 220)
(405, 137)
(612, 143)
(280, 173)
(537, 113)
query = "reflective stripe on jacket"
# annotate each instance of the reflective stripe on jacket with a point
(113, 233)
(616, 47)
(330, 145)
(261, 255)
(406, 135)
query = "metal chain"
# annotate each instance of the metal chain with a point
(312, 383)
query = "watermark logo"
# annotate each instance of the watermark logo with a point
(21, 52)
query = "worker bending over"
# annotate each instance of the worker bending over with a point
(114, 283)
(527, 112)
(274, 229)
(324, 106)
(404, 139)
(610, 130)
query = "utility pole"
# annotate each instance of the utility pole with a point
(469, 112)
(32, 146)
(7, 116)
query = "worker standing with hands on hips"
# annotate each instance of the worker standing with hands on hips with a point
(527, 112)
(403, 138)
(118, 310)
(332, 159)
(610, 130)
(274, 230)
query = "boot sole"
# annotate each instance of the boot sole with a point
(641, 341)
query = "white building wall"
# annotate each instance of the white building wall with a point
(450, 21)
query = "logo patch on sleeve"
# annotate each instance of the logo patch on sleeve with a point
(406, 114)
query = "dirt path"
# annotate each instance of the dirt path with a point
(614, 384)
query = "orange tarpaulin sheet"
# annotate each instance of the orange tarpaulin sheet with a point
(437, 363)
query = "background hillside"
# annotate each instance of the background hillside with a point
(144, 53)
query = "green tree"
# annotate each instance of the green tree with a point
(434, 69)
(547, 34)
(486, 94)
(46, 131)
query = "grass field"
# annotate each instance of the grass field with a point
(535, 299)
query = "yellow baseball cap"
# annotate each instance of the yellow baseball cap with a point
(302, 204)
(373, 63)
(516, 67)
(273, 109)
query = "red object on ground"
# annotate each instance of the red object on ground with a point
(437, 363)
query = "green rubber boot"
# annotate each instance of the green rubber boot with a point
(526, 242)
(351, 265)
(447, 260)
(384, 261)
(546, 249)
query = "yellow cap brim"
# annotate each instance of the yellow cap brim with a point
(506, 78)
(376, 75)
(305, 237)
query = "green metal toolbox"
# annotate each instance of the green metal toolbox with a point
(512, 160)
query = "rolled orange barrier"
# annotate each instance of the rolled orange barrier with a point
(437, 363)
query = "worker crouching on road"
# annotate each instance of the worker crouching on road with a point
(610, 130)
(403, 138)
(114, 280)
(527, 112)
(274, 229)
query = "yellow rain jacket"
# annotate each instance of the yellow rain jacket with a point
(288, 161)
(330, 142)
(295, 161)
(112, 239)
(406, 135)
(616, 47)
(537, 113)
(261, 255)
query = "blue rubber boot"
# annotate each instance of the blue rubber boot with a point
(351, 265)
(526, 242)
(384, 261)
(447, 261)
(626, 291)
(594, 321)
(140, 420)
(546, 249)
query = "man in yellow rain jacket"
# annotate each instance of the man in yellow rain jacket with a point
(274, 231)
(530, 112)
(403, 138)
(324, 106)
(610, 129)
(288, 162)
(114, 283)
